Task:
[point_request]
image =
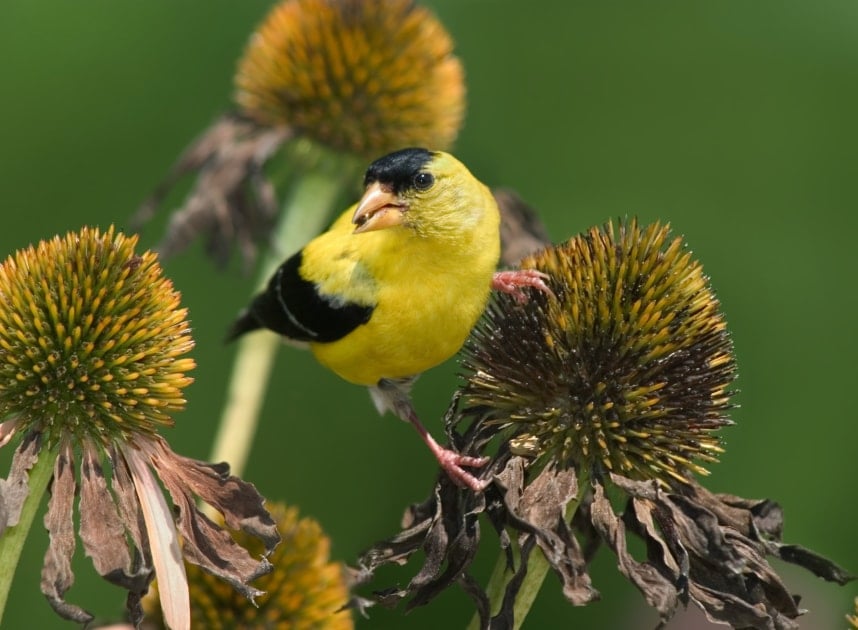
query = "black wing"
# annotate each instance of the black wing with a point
(292, 306)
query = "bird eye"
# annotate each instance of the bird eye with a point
(423, 181)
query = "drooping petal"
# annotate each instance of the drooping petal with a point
(205, 543)
(538, 509)
(8, 430)
(660, 593)
(164, 540)
(15, 488)
(129, 507)
(230, 202)
(101, 528)
(238, 501)
(57, 575)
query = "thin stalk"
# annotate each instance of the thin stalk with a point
(537, 569)
(12, 541)
(305, 213)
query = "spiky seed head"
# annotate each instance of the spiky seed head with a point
(305, 589)
(362, 76)
(91, 337)
(628, 370)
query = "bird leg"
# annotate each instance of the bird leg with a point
(393, 395)
(514, 281)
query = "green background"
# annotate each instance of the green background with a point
(734, 120)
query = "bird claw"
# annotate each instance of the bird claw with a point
(514, 281)
(452, 463)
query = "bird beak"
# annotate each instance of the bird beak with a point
(379, 208)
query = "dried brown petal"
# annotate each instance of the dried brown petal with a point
(101, 529)
(659, 592)
(129, 508)
(8, 429)
(57, 575)
(718, 545)
(446, 529)
(205, 543)
(537, 511)
(15, 488)
(132, 517)
(231, 202)
(238, 501)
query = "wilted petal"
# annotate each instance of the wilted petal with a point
(57, 575)
(205, 543)
(15, 488)
(765, 518)
(102, 530)
(129, 508)
(132, 518)
(231, 201)
(539, 509)
(238, 501)
(8, 430)
(453, 539)
(659, 592)
(446, 528)
(719, 543)
(166, 555)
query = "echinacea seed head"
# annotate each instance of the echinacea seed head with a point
(362, 76)
(627, 370)
(91, 337)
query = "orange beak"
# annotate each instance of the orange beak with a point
(378, 209)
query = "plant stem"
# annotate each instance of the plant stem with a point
(537, 568)
(12, 541)
(305, 213)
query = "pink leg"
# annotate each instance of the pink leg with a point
(514, 281)
(394, 397)
(452, 462)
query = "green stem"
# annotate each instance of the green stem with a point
(537, 569)
(12, 541)
(305, 213)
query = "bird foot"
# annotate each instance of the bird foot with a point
(452, 463)
(514, 282)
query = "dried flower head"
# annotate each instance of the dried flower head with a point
(304, 590)
(360, 78)
(628, 370)
(620, 379)
(92, 345)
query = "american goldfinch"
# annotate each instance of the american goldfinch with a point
(395, 285)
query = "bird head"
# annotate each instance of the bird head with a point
(430, 192)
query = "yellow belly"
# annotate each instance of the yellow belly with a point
(405, 337)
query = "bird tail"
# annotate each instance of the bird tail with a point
(244, 323)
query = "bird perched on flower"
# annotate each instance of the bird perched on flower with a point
(395, 285)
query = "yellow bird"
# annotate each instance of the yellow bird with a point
(395, 285)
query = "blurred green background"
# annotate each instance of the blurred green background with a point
(734, 120)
